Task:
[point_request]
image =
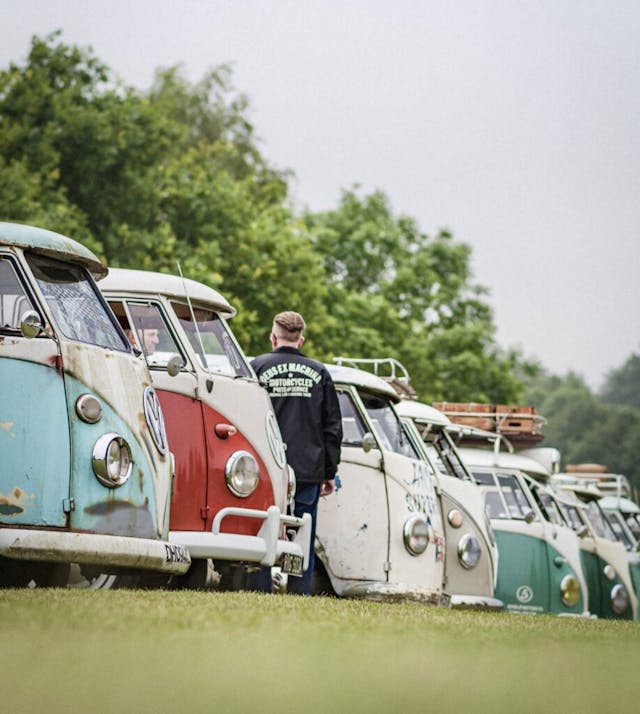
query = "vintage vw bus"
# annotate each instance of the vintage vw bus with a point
(232, 483)
(540, 568)
(622, 514)
(379, 534)
(86, 472)
(605, 562)
(471, 562)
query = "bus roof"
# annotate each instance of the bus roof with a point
(422, 413)
(54, 245)
(144, 282)
(363, 379)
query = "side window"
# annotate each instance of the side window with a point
(353, 428)
(14, 301)
(146, 328)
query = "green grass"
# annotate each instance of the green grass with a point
(136, 651)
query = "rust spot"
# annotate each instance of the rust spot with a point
(18, 492)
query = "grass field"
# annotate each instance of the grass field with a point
(137, 651)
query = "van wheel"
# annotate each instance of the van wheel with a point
(88, 578)
(320, 582)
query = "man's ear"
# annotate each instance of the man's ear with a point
(300, 342)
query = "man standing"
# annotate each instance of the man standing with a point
(306, 406)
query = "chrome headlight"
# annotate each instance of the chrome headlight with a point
(469, 551)
(291, 487)
(455, 518)
(570, 590)
(112, 461)
(619, 598)
(88, 408)
(416, 535)
(242, 473)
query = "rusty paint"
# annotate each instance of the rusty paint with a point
(12, 505)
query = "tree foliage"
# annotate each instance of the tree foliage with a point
(622, 385)
(585, 428)
(175, 173)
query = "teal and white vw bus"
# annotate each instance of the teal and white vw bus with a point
(471, 562)
(379, 534)
(540, 569)
(86, 470)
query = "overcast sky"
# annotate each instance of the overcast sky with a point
(515, 124)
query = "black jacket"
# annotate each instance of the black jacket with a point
(306, 406)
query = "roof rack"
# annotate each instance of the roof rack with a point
(521, 423)
(387, 368)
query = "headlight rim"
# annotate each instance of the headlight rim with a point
(463, 550)
(619, 588)
(100, 464)
(408, 534)
(229, 473)
(566, 590)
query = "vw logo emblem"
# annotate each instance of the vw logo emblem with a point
(524, 593)
(155, 420)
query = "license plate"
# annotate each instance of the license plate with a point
(291, 564)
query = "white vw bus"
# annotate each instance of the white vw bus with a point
(471, 563)
(379, 534)
(232, 484)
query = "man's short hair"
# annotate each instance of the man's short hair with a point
(289, 325)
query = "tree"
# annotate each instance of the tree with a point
(395, 291)
(622, 385)
(584, 428)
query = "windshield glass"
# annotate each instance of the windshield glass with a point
(598, 522)
(617, 524)
(72, 298)
(633, 521)
(549, 507)
(387, 426)
(572, 516)
(514, 495)
(221, 354)
(147, 329)
(14, 302)
(448, 455)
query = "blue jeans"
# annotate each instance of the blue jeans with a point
(307, 497)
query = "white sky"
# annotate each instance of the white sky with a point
(514, 123)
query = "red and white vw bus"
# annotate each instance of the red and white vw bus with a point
(232, 483)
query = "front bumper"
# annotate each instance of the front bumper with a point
(265, 548)
(396, 592)
(475, 602)
(94, 549)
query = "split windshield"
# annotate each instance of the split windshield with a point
(387, 425)
(77, 310)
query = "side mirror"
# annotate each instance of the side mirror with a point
(368, 442)
(30, 325)
(583, 531)
(529, 517)
(174, 365)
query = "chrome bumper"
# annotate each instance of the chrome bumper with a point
(93, 549)
(265, 548)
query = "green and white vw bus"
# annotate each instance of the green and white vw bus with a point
(540, 569)
(605, 561)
